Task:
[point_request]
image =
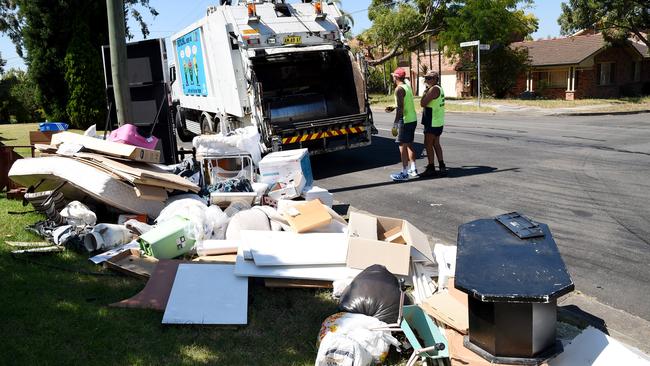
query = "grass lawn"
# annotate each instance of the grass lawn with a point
(61, 316)
(619, 104)
(55, 316)
(382, 101)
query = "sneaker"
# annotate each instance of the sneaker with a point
(429, 172)
(373, 130)
(399, 177)
(443, 170)
(413, 173)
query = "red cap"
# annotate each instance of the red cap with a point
(399, 73)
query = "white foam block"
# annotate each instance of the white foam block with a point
(207, 294)
(595, 348)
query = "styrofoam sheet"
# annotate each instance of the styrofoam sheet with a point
(595, 348)
(285, 248)
(207, 294)
(247, 268)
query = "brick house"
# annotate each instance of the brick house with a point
(584, 66)
(455, 82)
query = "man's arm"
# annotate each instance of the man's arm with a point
(430, 95)
(399, 114)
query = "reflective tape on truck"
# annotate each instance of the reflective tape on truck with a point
(322, 135)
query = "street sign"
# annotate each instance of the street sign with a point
(484, 47)
(469, 44)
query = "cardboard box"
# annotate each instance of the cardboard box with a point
(286, 172)
(365, 246)
(108, 147)
(308, 216)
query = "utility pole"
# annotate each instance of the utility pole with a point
(119, 71)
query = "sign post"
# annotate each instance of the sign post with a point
(479, 48)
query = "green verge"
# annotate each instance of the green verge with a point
(56, 316)
(381, 101)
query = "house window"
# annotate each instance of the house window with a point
(557, 79)
(605, 73)
(636, 71)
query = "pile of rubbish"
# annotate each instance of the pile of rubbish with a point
(202, 228)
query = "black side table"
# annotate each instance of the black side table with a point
(513, 273)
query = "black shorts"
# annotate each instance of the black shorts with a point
(436, 131)
(426, 122)
(406, 133)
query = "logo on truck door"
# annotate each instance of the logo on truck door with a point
(190, 63)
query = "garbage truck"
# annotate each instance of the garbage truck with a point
(285, 68)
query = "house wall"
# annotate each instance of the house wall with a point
(429, 58)
(586, 84)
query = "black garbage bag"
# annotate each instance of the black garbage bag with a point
(374, 292)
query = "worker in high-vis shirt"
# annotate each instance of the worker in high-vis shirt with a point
(433, 119)
(405, 124)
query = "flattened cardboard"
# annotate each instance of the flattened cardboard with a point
(131, 263)
(311, 215)
(156, 293)
(365, 248)
(447, 308)
(108, 147)
(150, 193)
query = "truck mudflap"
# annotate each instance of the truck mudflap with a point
(320, 137)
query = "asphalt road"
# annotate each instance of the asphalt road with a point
(588, 178)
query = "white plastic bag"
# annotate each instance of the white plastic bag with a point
(78, 214)
(350, 339)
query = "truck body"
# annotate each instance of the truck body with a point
(284, 68)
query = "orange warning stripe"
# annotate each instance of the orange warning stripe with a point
(322, 135)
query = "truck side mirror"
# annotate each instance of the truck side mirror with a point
(172, 74)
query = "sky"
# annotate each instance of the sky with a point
(173, 17)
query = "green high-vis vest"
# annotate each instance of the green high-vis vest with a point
(438, 109)
(409, 104)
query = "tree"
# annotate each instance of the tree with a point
(60, 42)
(17, 98)
(402, 26)
(494, 22)
(502, 66)
(617, 19)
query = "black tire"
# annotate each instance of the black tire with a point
(182, 133)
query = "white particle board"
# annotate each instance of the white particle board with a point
(247, 268)
(285, 248)
(207, 294)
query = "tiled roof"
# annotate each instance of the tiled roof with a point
(562, 51)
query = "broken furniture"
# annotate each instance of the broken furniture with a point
(513, 273)
(7, 158)
(219, 168)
